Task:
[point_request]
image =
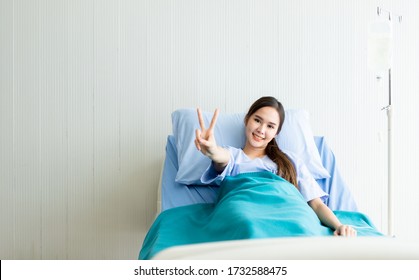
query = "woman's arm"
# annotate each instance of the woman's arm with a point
(329, 218)
(219, 156)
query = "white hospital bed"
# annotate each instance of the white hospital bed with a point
(172, 194)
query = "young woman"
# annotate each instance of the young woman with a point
(263, 122)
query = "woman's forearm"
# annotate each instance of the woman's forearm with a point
(325, 215)
(220, 157)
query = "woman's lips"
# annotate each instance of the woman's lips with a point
(257, 137)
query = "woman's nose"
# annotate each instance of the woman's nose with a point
(261, 128)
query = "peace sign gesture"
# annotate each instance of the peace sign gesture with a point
(205, 140)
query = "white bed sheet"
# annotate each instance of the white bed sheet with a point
(297, 248)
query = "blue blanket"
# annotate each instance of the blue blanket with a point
(249, 205)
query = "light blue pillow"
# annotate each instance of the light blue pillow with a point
(296, 136)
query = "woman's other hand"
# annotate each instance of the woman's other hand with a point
(345, 230)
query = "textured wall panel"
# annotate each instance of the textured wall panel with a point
(7, 213)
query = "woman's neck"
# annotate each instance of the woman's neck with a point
(254, 153)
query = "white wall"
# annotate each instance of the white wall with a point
(87, 88)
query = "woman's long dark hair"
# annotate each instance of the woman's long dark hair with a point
(286, 168)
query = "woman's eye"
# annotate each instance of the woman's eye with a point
(257, 120)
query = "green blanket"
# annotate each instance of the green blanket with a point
(250, 205)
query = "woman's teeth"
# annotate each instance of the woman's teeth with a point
(258, 137)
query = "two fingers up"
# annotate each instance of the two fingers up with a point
(205, 140)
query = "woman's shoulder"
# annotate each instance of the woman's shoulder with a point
(234, 150)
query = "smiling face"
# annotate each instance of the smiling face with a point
(261, 127)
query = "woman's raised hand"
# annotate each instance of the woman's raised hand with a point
(205, 140)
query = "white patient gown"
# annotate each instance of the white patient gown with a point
(241, 163)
